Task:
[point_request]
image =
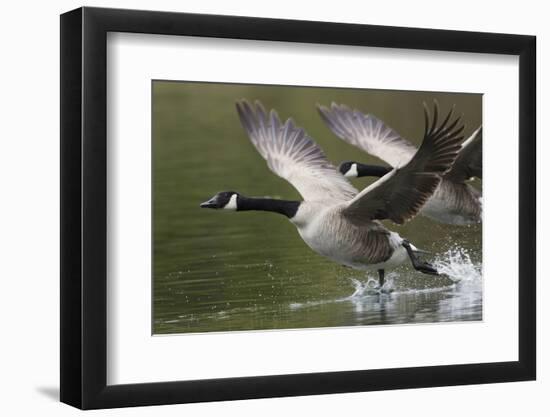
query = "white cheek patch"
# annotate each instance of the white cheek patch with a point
(232, 204)
(352, 172)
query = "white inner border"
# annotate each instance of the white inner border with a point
(134, 356)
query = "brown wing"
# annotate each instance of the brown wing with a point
(469, 161)
(401, 193)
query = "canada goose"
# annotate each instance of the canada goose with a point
(334, 219)
(453, 202)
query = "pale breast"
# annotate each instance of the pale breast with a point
(454, 204)
(330, 234)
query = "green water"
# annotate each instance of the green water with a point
(226, 271)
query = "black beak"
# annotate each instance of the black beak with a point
(209, 204)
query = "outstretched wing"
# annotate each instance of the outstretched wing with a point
(368, 133)
(291, 154)
(402, 192)
(469, 161)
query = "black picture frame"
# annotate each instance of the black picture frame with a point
(84, 207)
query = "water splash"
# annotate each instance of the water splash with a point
(457, 264)
(371, 287)
(362, 290)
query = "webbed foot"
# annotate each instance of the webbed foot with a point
(426, 268)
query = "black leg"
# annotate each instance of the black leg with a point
(381, 277)
(419, 265)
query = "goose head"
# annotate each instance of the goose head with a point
(349, 169)
(224, 200)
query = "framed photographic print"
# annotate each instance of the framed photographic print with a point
(258, 207)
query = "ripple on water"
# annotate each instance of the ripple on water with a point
(459, 297)
(406, 297)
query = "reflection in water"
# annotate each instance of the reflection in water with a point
(461, 300)
(218, 271)
(456, 297)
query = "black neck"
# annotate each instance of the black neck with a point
(288, 208)
(364, 170)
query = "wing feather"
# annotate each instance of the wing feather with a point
(400, 194)
(368, 133)
(291, 154)
(469, 162)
